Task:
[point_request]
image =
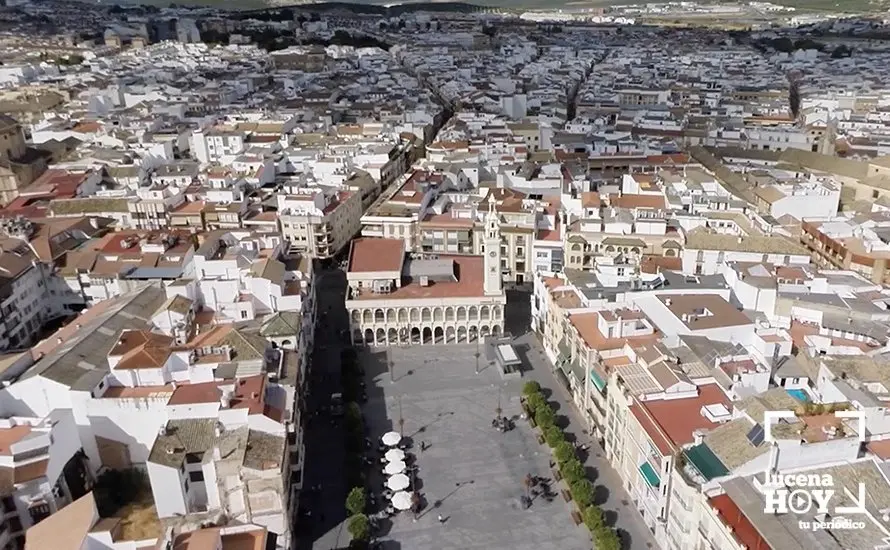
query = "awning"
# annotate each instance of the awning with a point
(649, 474)
(596, 380)
(703, 459)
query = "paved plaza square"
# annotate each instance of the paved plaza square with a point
(471, 469)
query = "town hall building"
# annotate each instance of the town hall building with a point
(400, 298)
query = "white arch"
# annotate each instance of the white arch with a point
(449, 313)
(485, 313)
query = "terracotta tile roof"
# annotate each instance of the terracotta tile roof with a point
(141, 349)
(67, 529)
(470, 283)
(250, 394)
(704, 311)
(9, 436)
(655, 264)
(587, 326)
(639, 201)
(742, 528)
(671, 423)
(188, 394)
(246, 540)
(202, 539)
(373, 255)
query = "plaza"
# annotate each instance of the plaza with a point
(470, 473)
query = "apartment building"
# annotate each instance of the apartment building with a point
(854, 244)
(319, 222)
(707, 250)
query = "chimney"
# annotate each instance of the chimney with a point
(668, 302)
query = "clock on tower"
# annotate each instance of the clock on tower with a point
(493, 248)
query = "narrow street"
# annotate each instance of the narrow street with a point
(325, 452)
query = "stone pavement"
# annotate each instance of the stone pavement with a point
(614, 500)
(474, 472)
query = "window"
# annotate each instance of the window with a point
(8, 504)
(244, 315)
(15, 524)
(194, 458)
(196, 476)
(874, 194)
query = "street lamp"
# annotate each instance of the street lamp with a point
(477, 354)
(401, 419)
(498, 410)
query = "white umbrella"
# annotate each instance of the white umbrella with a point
(398, 482)
(401, 500)
(394, 455)
(394, 468)
(391, 439)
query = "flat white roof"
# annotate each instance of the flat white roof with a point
(507, 353)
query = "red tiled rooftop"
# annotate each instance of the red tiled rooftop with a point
(880, 448)
(587, 325)
(10, 436)
(639, 201)
(551, 235)
(469, 270)
(250, 394)
(655, 264)
(742, 528)
(193, 394)
(448, 220)
(375, 255)
(671, 423)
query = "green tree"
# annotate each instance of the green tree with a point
(356, 501)
(115, 489)
(535, 401)
(572, 470)
(359, 527)
(531, 387)
(593, 519)
(607, 539)
(582, 492)
(554, 436)
(564, 452)
(545, 416)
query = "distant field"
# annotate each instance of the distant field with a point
(847, 6)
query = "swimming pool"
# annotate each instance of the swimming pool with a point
(800, 395)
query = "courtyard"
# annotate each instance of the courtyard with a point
(469, 473)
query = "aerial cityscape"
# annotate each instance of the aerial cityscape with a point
(444, 276)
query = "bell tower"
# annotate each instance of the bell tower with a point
(492, 242)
